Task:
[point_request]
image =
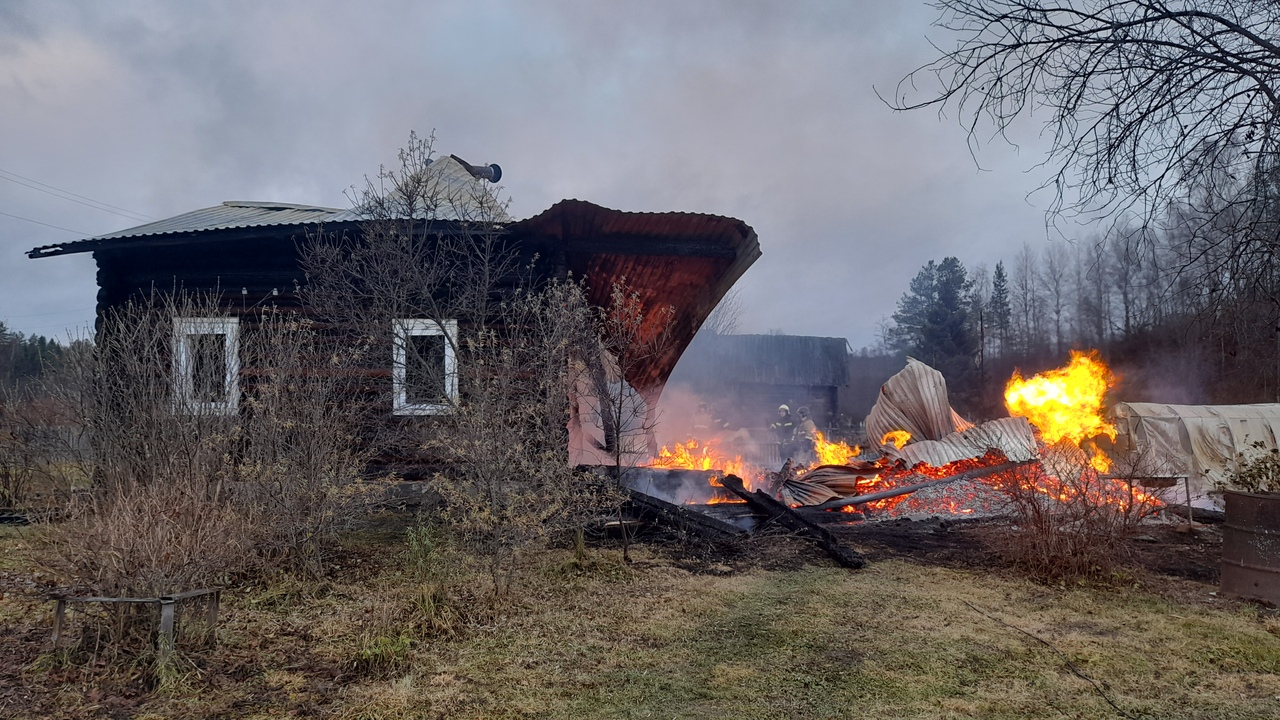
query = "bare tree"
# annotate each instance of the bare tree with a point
(1144, 95)
(486, 351)
(1056, 259)
(726, 319)
(1028, 300)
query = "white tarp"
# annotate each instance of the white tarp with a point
(1202, 443)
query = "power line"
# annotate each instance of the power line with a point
(73, 197)
(81, 233)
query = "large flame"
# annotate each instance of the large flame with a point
(833, 453)
(695, 455)
(1066, 403)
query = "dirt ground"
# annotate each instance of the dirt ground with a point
(761, 628)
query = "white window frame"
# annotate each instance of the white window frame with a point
(183, 390)
(408, 327)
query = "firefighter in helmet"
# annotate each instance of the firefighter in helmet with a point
(806, 435)
(784, 427)
(785, 430)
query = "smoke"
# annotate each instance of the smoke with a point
(685, 415)
(1170, 378)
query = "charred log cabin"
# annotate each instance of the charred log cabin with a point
(249, 255)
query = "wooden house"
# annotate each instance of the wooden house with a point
(249, 254)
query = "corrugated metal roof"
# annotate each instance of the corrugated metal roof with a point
(685, 260)
(915, 400)
(232, 214)
(1012, 435)
(454, 186)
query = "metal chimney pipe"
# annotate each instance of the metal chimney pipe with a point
(490, 172)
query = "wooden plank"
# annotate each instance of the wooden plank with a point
(788, 518)
(686, 518)
(908, 489)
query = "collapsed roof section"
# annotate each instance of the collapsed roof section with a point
(686, 260)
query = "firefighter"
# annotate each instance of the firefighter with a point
(806, 434)
(785, 429)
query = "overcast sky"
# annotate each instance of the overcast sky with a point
(763, 111)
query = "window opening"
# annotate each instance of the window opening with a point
(424, 370)
(206, 365)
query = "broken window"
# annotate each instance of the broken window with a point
(206, 366)
(424, 371)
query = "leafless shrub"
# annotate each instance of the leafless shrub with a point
(486, 351)
(17, 459)
(509, 484)
(187, 494)
(300, 459)
(630, 334)
(1070, 521)
(150, 540)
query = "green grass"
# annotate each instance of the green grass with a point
(596, 639)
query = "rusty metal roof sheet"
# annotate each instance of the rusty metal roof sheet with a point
(1012, 435)
(914, 400)
(685, 260)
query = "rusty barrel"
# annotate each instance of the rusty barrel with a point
(1251, 546)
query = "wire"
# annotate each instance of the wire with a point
(81, 233)
(1070, 665)
(68, 195)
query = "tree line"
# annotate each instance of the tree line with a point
(1186, 307)
(1163, 123)
(23, 358)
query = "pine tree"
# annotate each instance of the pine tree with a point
(913, 310)
(946, 340)
(999, 306)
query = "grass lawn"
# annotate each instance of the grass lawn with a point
(665, 638)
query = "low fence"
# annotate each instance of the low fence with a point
(169, 616)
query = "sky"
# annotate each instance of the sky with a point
(762, 111)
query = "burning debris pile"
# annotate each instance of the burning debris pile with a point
(930, 461)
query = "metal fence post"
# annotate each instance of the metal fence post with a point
(166, 629)
(59, 614)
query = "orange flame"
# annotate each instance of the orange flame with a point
(693, 455)
(897, 437)
(833, 453)
(1066, 403)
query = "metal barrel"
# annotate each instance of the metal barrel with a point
(1251, 546)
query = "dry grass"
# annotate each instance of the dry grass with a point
(599, 639)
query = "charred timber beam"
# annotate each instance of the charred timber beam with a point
(908, 489)
(684, 518)
(792, 520)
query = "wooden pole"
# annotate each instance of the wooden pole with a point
(908, 489)
(166, 629)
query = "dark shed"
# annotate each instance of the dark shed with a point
(746, 377)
